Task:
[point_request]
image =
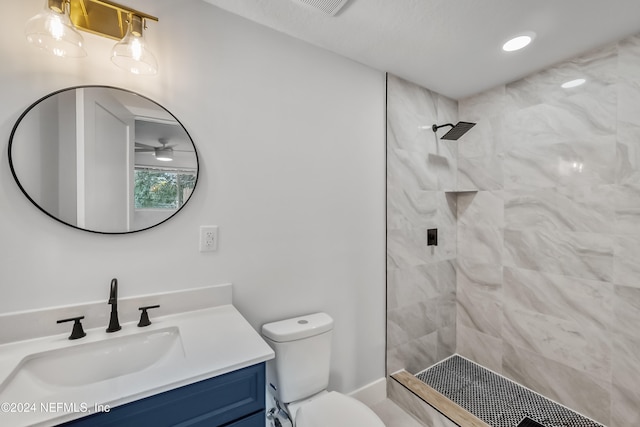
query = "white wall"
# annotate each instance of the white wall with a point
(291, 146)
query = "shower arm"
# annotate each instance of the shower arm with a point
(435, 127)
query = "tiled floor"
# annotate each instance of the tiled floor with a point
(393, 416)
(495, 399)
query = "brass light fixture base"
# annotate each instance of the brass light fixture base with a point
(103, 17)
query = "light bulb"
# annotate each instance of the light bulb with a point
(55, 27)
(518, 42)
(573, 83)
(136, 49)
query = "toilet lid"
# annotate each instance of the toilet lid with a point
(336, 410)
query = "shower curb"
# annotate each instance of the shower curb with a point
(439, 402)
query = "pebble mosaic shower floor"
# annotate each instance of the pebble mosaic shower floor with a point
(494, 399)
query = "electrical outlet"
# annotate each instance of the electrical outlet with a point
(208, 238)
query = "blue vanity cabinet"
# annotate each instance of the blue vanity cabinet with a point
(235, 399)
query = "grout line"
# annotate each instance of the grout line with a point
(439, 362)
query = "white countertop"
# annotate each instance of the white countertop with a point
(212, 342)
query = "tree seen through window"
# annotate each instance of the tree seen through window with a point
(162, 189)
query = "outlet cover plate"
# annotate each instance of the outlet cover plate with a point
(208, 238)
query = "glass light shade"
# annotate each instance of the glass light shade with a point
(53, 31)
(131, 53)
(164, 154)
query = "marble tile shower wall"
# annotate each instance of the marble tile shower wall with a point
(548, 283)
(421, 279)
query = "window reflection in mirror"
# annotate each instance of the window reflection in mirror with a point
(162, 189)
(165, 171)
(160, 192)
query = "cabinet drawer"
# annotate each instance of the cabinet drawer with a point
(213, 402)
(255, 420)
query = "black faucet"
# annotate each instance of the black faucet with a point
(114, 325)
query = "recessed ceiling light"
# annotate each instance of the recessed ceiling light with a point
(573, 83)
(518, 42)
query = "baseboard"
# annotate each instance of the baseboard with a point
(371, 393)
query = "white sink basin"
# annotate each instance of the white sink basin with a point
(102, 360)
(92, 362)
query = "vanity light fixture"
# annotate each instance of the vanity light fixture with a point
(55, 30)
(519, 42)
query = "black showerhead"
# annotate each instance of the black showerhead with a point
(456, 132)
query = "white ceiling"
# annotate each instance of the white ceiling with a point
(450, 46)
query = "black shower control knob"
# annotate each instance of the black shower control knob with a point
(432, 237)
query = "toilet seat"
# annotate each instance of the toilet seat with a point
(336, 410)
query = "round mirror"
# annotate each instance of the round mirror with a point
(103, 159)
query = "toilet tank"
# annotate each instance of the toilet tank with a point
(303, 355)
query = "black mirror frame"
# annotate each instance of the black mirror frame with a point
(33, 105)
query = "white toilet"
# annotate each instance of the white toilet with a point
(300, 374)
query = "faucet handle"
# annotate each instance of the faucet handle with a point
(77, 331)
(144, 316)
